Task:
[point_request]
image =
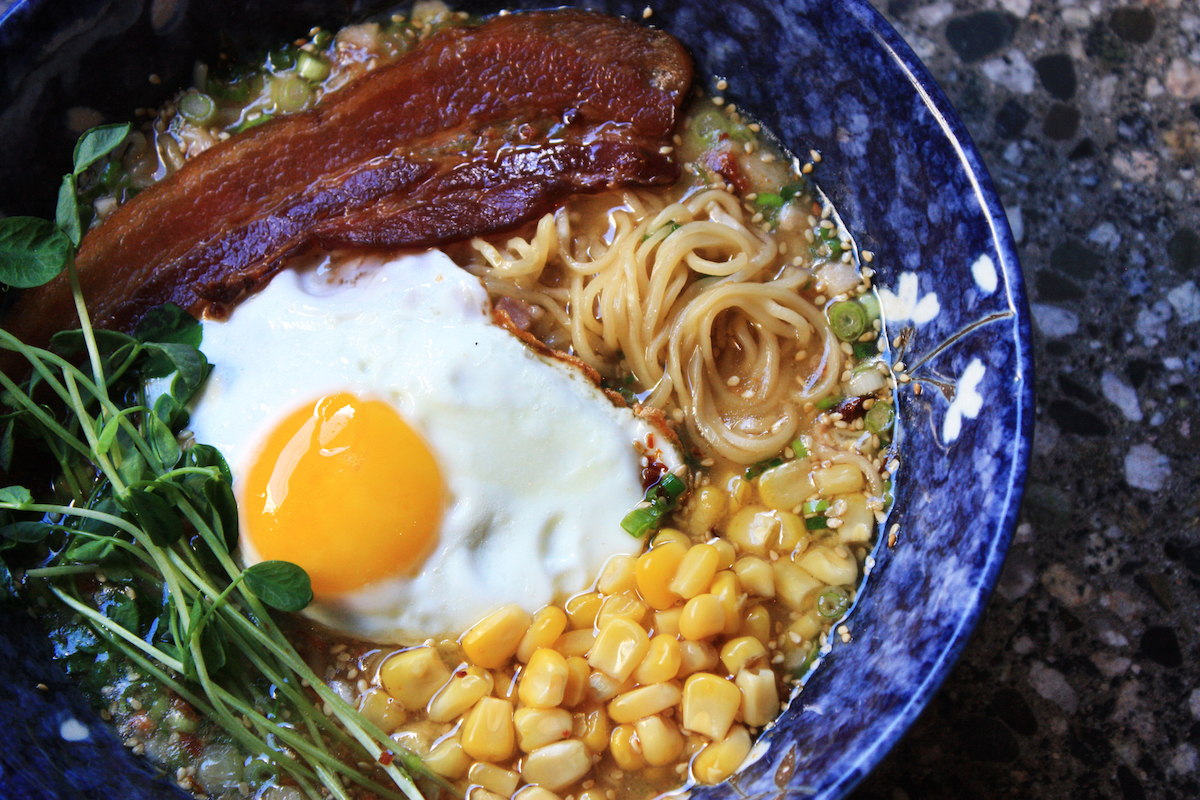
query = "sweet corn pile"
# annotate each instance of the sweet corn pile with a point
(657, 676)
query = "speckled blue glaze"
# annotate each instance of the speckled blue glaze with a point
(828, 75)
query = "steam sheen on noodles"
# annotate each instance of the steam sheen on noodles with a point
(697, 303)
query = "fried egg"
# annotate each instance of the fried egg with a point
(423, 464)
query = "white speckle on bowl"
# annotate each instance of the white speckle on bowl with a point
(967, 400)
(984, 271)
(1146, 468)
(904, 303)
(73, 730)
(1121, 395)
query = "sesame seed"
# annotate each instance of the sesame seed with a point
(647, 12)
(891, 540)
(815, 156)
(718, 101)
(722, 85)
(916, 388)
(868, 257)
(807, 168)
(905, 378)
(665, 149)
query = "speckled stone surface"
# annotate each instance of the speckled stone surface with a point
(1081, 681)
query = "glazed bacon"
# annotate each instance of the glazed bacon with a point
(475, 131)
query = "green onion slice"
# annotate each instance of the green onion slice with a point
(799, 447)
(769, 199)
(879, 417)
(312, 68)
(833, 602)
(671, 484)
(816, 523)
(198, 108)
(816, 506)
(829, 401)
(848, 319)
(642, 520)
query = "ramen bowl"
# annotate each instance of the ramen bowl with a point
(828, 76)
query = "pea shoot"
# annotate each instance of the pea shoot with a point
(130, 503)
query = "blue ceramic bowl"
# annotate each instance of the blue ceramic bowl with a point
(829, 75)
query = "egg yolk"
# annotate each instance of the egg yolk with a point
(345, 489)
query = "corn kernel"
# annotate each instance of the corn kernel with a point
(756, 576)
(447, 759)
(737, 654)
(531, 792)
(505, 686)
(666, 535)
(617, 575)
(858, 521)
(624, 606)
(414, 676)
(538, 727)
(707, 509)
(626, 748)
(661, 662)
(793, 533)
(595, 730)
(666, 622)
(578, 673)
(495, 779)
(544, 681)
(752, 530)
(480, 793)
(757, 623)
(460, 693)
(601, 687)
(728, 589)
(824, 564)
(662, 743)
(788, 485)
(703, 616)
(710, 704)
(583, 608)
(760, 696)
(557, 766)
(644, 701)
(655, 570)
(807, 626)
(619, 648)
(696, 657)
(695, 571)
(548, 624)
(793, 584)
(492, 641)
(382, 709)
(721, 759)
(487, 732)
(838, 479)
(726, 554)
(575, 643)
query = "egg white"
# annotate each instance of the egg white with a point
(540, 467)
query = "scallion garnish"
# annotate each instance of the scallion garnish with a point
(833, 602)
(848, 319)
(769, 199)
(754, 470)
(816, 506)
(816, 523)
(828, 402)
(799, 448)
(312, 68)
(642, 520)
(879, 417)
(198, 108)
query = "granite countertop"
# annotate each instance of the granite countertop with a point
(1081, 680)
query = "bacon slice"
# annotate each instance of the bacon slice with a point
(476, 131)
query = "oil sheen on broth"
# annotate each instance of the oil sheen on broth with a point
(730, 310)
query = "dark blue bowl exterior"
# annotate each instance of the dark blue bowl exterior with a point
(828, 75)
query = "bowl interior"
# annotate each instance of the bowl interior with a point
(828, 75)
